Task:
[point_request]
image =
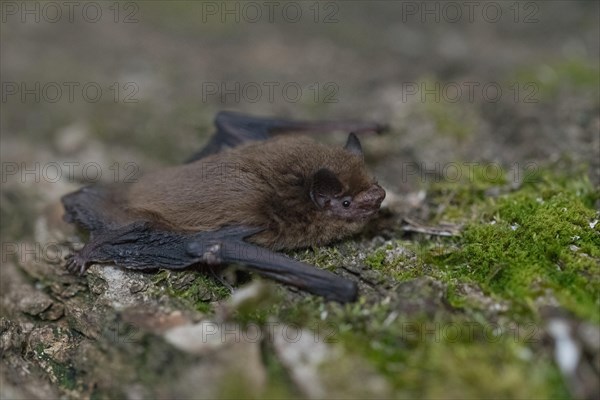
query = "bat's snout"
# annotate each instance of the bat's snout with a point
(370, 200)
(374, 196)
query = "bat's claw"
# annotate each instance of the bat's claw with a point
(221, 279)
(213, 255)
(76, 264)
(208, 246)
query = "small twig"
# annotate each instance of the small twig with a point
(446, 230)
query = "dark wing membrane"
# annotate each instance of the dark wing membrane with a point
(139, 246)
(234, 129)
(94, 208)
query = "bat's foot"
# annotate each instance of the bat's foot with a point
(76, 264)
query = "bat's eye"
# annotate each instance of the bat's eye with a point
(346, 203)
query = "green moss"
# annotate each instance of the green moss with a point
(442, 369)
(467, 187)
(449, 356)
(196, 289)
(376, 260)
(396, 261)
(65, 375)
(323, 257)
(528, 248)
(534, 241)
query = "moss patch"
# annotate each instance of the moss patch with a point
(197, 290)
(541, 239)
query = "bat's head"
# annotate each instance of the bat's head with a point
(344, 189)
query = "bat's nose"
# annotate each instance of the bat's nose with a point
(373, 196)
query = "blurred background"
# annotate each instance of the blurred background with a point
(101, 91)
(495, 81)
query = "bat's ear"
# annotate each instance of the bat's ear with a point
(353, 145)
(325, 185)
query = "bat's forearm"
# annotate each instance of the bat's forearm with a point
(232, 248)
(291, 272)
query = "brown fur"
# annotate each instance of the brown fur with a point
(264, 184)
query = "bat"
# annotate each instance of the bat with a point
(250, 192)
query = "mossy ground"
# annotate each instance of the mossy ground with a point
(535, 243)
(542, 237)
